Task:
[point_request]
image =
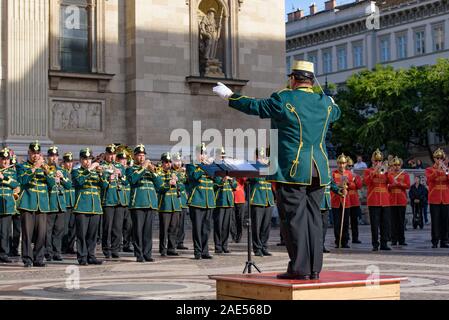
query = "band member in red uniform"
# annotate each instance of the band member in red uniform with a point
(354, 200)
(438, 182)
(398, 201)
(344, 179)
(377, 179)
(239, 213)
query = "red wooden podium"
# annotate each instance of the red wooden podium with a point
(331, 286)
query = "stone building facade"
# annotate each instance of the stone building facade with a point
(79, 73)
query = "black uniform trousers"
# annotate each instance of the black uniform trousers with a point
(397, 224)
(222, 224)
(127, 229)
(237, 217)
(5, 234)
(325, 216)
(15, 237)
(260, 227)
(112, 229)
(355, 213)
(201, 225)
(34, 230)
(143, 232)
(69, 238)
(337, 218)
(55, 232)
(181, 227)
(303, 226)
(380, 219)
(168, 231)
(439, 216)
(86, 235)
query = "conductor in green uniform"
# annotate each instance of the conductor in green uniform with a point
(302, 118)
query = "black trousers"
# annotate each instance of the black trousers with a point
(168, 231)
(5, 234)
(55, 232)
(127, 229)
(325, 216)
(237, 216)
(86, 235)
(260, 227)
(181, 228)
(69, 238)
(380, 219)
(337, 217)
(16, 231)
(222, 224)
(143, 232)
(201, 225)
(355, 213)
(439, 219)
(34, 229)
(397, 224)
(112, 229)
(303, 226)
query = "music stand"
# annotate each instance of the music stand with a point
(238, 169)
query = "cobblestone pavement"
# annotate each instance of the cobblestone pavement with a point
(185, 278)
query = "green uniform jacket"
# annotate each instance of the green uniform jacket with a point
(115, 193)
(35, 186)
(144, 187)
(168, 195)
(88, 186)
(58, 202)
(261, 192)
(202, 186)
(69, 193)
(224, 196)
(326, 202)
(302, 119)
(127, 189)
(183, 186)
(7, 186)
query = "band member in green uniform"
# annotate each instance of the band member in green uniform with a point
(68, 241)
(88, 183)
(16, 218)
(182, 183)
(145, 182)
(34, 205)
(127, 231)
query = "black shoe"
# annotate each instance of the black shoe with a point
(315, 276)
(140, 259)
(394, 243)
(39, 264)
(172, 253)
(218, 251)
(5, 259)
(281, 244)
(148, 259)
(444, 245)
(206, 256)
(337, 246)
(182, 247)
(226, 251)
(58, 258)
(197, 257)
(266, 253)
(434, 246)
(94, 261)
(385, 248)
(325, 250)
(83, 263)
(128, 249)
(107, 255)
(346, 246)
(47, 257)
(375, 248)
(115, 255)
(258, 254)
(27, 264)
(287, 276)
(356, 241)
(163, 254)
(403, 244)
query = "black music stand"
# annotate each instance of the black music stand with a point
(243, 170)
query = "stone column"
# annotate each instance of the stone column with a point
(27, 73)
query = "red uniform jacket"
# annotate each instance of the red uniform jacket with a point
(438, 183)
(398, 191)
(377, 184)
(336, 200)
(353, 195)
(239, 193)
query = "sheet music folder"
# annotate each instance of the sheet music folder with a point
(234, 168)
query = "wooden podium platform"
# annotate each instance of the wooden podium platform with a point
(330, 286)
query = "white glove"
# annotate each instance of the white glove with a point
(222, 91)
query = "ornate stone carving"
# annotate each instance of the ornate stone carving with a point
(74, 116)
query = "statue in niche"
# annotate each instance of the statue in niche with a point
(210, 28)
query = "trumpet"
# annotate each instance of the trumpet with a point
(174, 178)
(383, 168)
(444, 168)
(16, 193)
(6, 168)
